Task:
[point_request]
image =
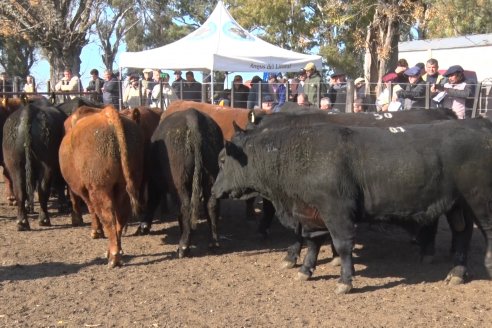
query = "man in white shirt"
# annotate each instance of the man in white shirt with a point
(69, 83)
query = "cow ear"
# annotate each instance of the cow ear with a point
(237, 128)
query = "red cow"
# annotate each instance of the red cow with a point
(101, 158)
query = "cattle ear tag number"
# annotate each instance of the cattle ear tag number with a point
(381, 116)
(396, 129)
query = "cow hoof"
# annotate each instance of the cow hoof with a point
(77, 221)
(142, 230)
(427, 259)
(23, 225)
(115, 261)
(336, 262)
(286, 264)
(183, 252)
(304, 274)
(213, 246)
(97, 234)
(45, 223)
(343, 288)
(454, 281)
(456, 276)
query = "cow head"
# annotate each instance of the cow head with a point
(232, 180)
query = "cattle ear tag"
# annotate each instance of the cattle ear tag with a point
(252, 117)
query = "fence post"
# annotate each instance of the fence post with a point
(349, 102)
(427, 95)
(478, 89)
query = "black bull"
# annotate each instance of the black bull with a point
(415, 173)
(306, 117)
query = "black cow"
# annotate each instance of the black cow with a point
(31, 138)
(415, 173)
(185, 149)
(308, 117)
(70, 106)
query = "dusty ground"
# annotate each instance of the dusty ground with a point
(57, 277)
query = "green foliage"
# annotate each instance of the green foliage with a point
(17, 55)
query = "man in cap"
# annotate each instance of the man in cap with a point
(314, 88)
(178, 83)
(433, 77)
(192, 89)
(384, 98)
(413, 93)
(456, 90)
(338, 90)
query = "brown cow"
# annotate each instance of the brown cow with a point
(222, 115)
(101, 158)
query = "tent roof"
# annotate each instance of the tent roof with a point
(220, 44)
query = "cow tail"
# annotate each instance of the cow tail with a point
(26, 125)
(196, 193)
(115, 120)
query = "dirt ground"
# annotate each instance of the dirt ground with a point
(57, 277)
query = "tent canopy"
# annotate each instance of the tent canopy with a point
(220, 44)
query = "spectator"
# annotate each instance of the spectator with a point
(401, 67)
(313, 86)
(267, 103)
(413, 93)
(192, 89)
(69, 83)
(95, 86)
(456, 90)
(131, 94)
(254, 92)
(421, 66)
(225, 98)
(293, 84)
(147, 84)
(384, 99)
(111, 89)
(178, 84)
(167, 92)
(30, 86)
(338, 90)
(240, 92)
(302, 100)
(325, 104)
(302, 79)
(280, 92)
(432, 76)
(359, 106)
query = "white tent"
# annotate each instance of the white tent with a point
(220, 44)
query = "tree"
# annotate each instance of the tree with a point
(59, 28)
(17, 55)
(113, 22)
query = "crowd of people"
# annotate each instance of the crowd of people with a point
(305, 88)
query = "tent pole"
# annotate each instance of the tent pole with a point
(212, 87)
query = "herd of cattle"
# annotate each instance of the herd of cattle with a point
(319, 173)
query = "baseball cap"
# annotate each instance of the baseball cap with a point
(309, 66)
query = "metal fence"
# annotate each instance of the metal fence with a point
(480, 103)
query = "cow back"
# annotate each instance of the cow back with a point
(222, 115)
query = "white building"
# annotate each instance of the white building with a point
(472, 52)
